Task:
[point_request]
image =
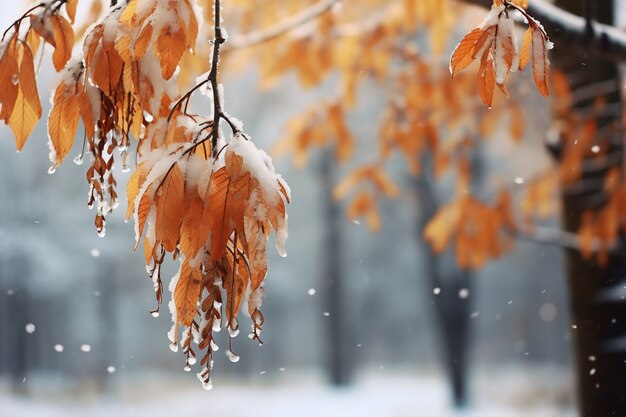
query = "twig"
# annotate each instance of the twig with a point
(556, 237)
(217, 105)
(293, 22)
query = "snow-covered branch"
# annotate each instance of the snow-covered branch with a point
(566, 28)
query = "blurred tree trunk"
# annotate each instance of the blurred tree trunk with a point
(599, 332)
(15, 317)
(451, 310)
(339, 366)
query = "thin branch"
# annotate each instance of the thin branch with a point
(605, 41)
(555, 237)
(273, 32)
(217, 104)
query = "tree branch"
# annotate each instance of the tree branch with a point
(264, 35)
(217, 104)
(605, 41)
(555, 237)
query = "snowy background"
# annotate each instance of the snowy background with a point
(77, 339)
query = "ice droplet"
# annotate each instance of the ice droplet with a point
(592, 371)
(52, 170)
(110, 369)
(58, 348)
(311, 291)
(436, 290)
(216, 326)
(192, 360)
(95, 253)
(233, 332)
(155, 314)
(85, 348)
(30, 328)
(207, 385)
(326, 313)
(262, 372)
(232, 356)
(173, 347)
(282, 369)
(187, 368)
(214, 346)
(519, 180)
(464, 293)
(78, 160)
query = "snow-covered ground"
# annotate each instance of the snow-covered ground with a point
(503, 394)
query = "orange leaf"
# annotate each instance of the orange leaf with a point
(462, 55)
(486, 80)
(9, 70)
(170, 49)
(187, 293)
(63, 122)
(540, 61)
(63, 41)
(170, 206)
(70, 7)
(524, 53)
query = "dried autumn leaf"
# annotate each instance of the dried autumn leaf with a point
(170, 48)
(70, 7)
(9, 72)
(170, 209)
(462, 56)
(63, 123)
(540, 47)
(187, 292)
(63, 41)
(525, 52)
(27, 109)
(486, 80)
